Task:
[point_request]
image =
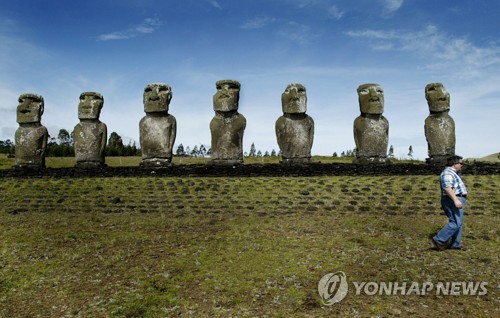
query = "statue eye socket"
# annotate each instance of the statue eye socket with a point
(147, 90)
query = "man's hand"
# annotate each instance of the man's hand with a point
(451, 194)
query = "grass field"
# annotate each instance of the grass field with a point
(66, 162)
(238, 247)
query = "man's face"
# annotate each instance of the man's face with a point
(157, 98)
(371, 99)
(227, 96)
(90, 105)
(294, 99)
(30, 109)
(437, 97)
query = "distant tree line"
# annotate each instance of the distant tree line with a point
(346, 153)
(7, 147)
(206, 151)
(196, 151)
(257, 153)
(116, 148)
(390, 154)
(64, 146)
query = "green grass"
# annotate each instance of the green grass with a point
(246, 247)
(66, 162)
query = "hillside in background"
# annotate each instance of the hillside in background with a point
(495, 157)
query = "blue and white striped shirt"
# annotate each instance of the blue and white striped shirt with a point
(450, 178)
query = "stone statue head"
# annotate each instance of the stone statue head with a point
(90, 105)
(157, 97)
(227, 96)
(294, 99)
(437, 97)
(30, 108)
(371, 99)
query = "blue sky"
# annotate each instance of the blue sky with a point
(59, 49)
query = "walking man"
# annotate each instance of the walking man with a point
(453, 198)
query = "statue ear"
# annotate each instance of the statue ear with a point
(42, 108)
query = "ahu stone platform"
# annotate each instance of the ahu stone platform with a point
(251, 170)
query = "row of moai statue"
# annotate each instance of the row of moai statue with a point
(294, 129)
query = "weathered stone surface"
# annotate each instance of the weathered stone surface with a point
(371, 128)
(158, 129)
(31, 136)
(295, 129)
(227, 126)
(439, 126)
(90, 134)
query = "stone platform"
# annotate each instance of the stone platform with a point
(250, 170)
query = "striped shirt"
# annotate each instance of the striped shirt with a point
(450, 178)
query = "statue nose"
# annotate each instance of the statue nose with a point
(373, 94)
(154, 95)
(225, 92)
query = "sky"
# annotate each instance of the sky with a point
(59, 49)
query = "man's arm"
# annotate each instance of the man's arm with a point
(451, 194)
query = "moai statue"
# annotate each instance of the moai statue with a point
(439, 126)
(90, 134)
(295, 129)
(31, 136)
(158, 128)
(227, 126)
(371, 128)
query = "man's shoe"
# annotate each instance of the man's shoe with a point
(438, 246)
(460, 248)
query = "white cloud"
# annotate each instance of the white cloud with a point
(257, 23)
(296, 32)
(215, 4)
(147, 26)
(321, 6)
(391, 6)
(377, 34)
(442, 51)
(335, 12)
